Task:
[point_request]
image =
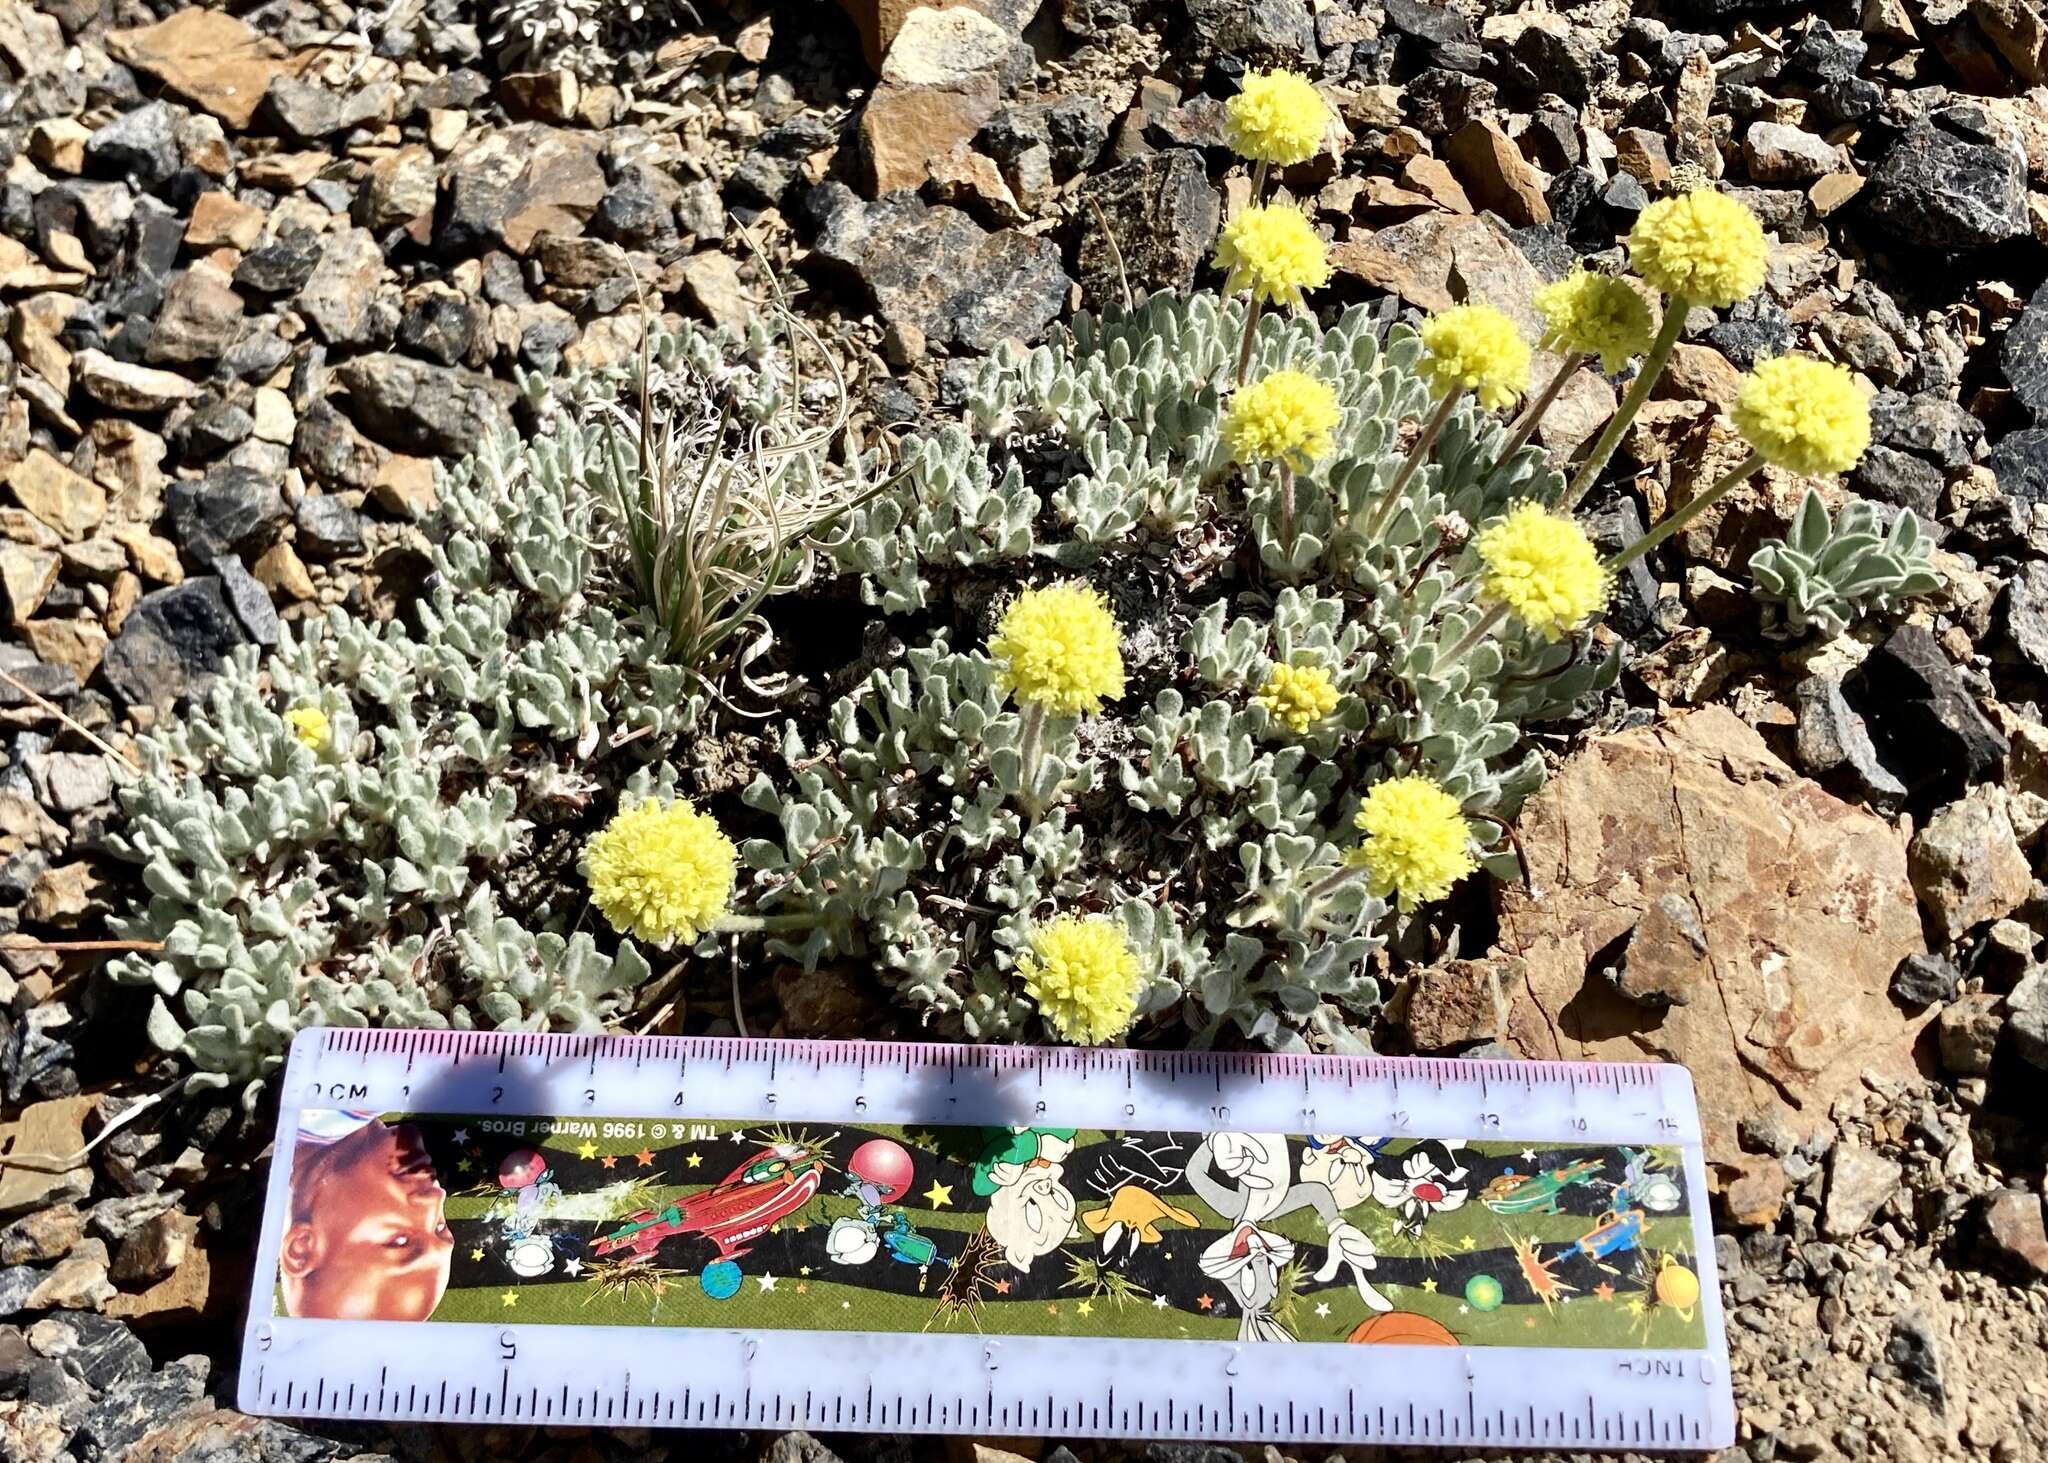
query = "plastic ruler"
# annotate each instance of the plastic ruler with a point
(958, 1377)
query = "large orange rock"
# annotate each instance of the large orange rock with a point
(207, 57)
(1803, 899)
(878, 21)
(940, 81)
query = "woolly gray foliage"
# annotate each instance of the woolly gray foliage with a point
(1207, 828)
(417, 868)
(1828, 572)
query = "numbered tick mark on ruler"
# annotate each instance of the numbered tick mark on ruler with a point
(831, 1235)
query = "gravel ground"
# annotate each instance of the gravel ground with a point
(260, 266)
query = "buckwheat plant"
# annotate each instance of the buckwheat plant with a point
(1222, 625)
(383, 822)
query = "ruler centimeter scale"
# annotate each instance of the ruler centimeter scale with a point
(650, 1231)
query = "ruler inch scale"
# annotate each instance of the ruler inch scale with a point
(522, 1228)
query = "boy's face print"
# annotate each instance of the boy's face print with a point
(369, 1238)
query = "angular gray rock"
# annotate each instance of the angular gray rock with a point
(2025, 607)
(419, 407)
(1939, 190)
(1832, 733)
(1859, 1182)
(229, 510)
(141, 143)
(1162, 218)
(2026, 1016)
(172, 643)
(937, 272)
(1922, 715)
(2024, 355)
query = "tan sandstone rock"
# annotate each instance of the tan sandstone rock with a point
(1803, 900)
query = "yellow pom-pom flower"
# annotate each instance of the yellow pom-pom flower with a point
(1298, 696)
(1058, 648)
(1273, 251)
(661, 871)
(1702, 245)
(1590, 314)
(1475, 348)
(1416, 842)
(311, 726)
(1283, 416)
(1279, 117)
(1804, 415)
(1084, 977)
(1542, 566)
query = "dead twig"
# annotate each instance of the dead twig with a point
(61, 947)
(59, 712)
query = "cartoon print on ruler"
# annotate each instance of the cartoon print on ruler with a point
(1328, 1237)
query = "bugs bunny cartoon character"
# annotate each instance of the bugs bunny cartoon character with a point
(1246, 1178)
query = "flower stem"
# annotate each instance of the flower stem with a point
(1031, 749)
(1479, 631)
(741, 924)
(1244, 349)
(1675, 521)
(1431, 430)
(1675, 310)
(1329, 884)
(1286, 508)
(1532, 414)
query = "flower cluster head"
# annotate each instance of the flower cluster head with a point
(1298, 696)
(1279, 117)
(1591, 314)
(1084, 977)
(311, 726)
(1804, 415)
(1273, 251)
(1475, 348)
(1058, 648)
(1284, 416)
(661, 871)
(1542, 566)
(1702, 246)
(1416, 843)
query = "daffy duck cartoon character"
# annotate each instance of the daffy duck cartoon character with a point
(1131, 1219)
(1133, 1175)
(1246, 1178)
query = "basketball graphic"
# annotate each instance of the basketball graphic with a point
(1402, 1328)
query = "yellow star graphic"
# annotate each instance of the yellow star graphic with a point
(510, 1298)
(939, 1195)
(586, 1150)
(1430, 1285)
(695, 1160)
(1086, 1308)
(1468, 1244)
(804, 1270)
(476, 1254)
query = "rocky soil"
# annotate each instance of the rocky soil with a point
(260, 266)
